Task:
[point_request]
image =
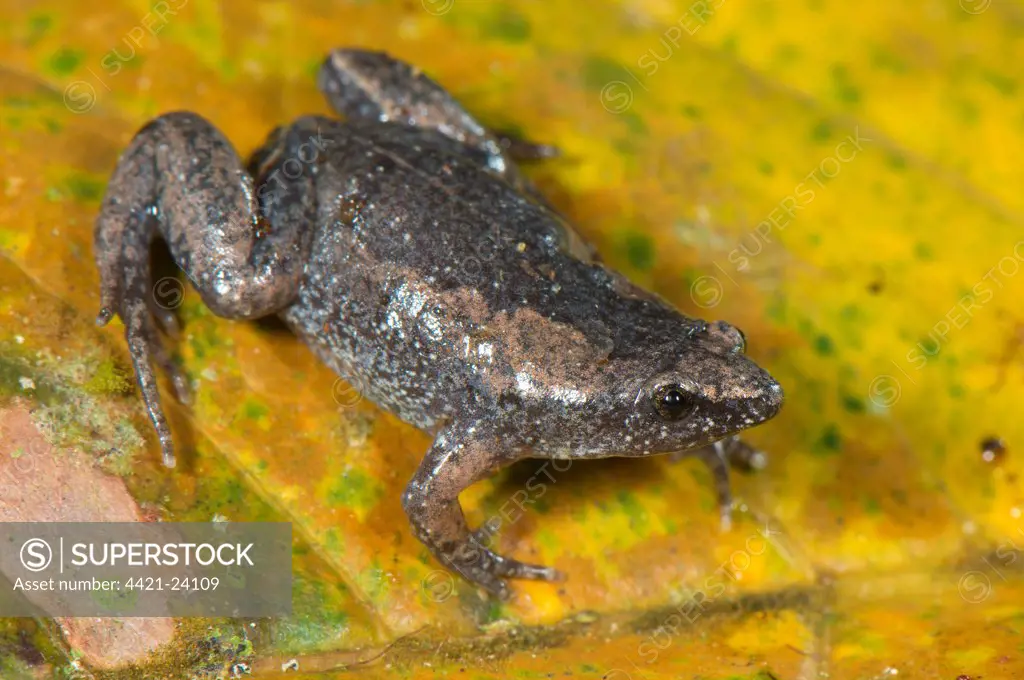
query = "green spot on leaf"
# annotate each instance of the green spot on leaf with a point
(634, 122)
(355, 490)
(842, 85)
(632, 507)
(872, 506)
(108, 379)
(821, 132)
(83, 187)
(640, 250)
(319, 625)
(16, 102)
(38, 26)
(508, 24)
(896, 161)
(599, 72)
(829, 443)
(853, 404)
(1004, 85)
(887, 61)
(823, 345)
(254, 410)
(65, 61)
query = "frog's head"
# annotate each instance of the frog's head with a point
(689, 394)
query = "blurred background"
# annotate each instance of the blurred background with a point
(841, 181)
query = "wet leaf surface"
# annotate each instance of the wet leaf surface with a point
(839, 181)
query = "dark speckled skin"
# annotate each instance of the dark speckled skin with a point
(407, 250)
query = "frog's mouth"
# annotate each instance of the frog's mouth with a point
(753, 406)
(767, 403)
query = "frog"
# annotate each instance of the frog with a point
(402, 243)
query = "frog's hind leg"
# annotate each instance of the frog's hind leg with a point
(366, 85)
(182, 180)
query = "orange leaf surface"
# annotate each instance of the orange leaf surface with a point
(840, 181)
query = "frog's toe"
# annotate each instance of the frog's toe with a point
(481, 572)
(496, 587)
(163, 359)
(520, 149)
(489, 570)
(104, 316)
(166, 318)
(144, 347)
(510, 568)
(144, 342)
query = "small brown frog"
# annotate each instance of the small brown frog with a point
(406, 249)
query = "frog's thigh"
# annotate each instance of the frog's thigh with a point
(208, 214)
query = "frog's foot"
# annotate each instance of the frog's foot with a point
(488, 569)
(164, 316)
(739, 454)
(459, 457)
(742, 456)
(131, 298)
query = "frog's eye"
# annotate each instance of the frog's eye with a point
(672, 402)
(741, 342)
(727, 337)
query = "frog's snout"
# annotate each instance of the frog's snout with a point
(765, 400)
(760, 395)
(771, 397)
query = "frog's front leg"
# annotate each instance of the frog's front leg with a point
(182, 180)
(714, 457)
(719, 457)
(460, 456)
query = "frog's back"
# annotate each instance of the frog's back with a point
(438, 283)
